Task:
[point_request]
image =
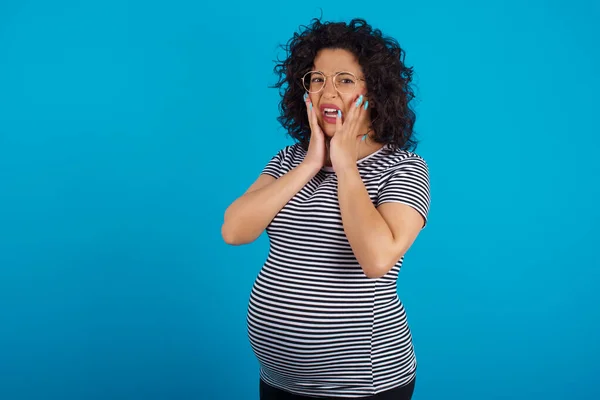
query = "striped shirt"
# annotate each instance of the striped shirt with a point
(316, 323)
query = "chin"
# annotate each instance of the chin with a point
(328, 130)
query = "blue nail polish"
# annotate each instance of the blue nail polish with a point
(364, 137)
(311, 106)
(366, 104)
(305, 96)
(360, 99)
(339, 113)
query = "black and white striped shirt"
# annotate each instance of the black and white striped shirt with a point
(317, 324)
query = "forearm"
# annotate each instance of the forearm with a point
(368, 234)
(248, 216)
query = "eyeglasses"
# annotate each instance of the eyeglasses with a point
(343, 82)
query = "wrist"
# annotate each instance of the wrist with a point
(345, 170)
(312, 167)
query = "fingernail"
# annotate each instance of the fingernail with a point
(305, 96)
(311, 106)
(360, 99)
(339, 113)
(364, 137)
(366, 104)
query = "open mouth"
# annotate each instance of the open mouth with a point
(330, 112)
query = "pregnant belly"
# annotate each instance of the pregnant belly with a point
(306, 327)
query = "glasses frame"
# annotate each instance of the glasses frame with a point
(325, 81)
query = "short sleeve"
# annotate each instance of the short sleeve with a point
(274, 166)
(407, 183)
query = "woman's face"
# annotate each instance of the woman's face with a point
(329, 100)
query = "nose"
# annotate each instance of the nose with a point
(329, 89)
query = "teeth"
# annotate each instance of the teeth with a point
(332, 110)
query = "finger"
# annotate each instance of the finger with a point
(338, 122)
(307, 102)
(309, 111)
(361, 117)
(313, 118)
(314, 122)
(364, 113)
(355, 114)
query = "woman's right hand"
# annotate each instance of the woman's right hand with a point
(317, 151)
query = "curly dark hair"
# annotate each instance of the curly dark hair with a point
(388, 79)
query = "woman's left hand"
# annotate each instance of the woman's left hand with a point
(343, 149)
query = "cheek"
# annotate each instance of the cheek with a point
(314, 99)
(350, 100)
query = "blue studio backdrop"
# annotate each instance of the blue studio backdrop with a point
(127, 127)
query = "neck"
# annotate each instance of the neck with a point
(367, 147)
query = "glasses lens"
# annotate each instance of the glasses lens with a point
(345, 82)
(314, 81)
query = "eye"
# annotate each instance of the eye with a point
(345, 79)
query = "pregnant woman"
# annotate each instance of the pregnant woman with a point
(341, 207)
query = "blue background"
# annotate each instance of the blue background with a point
(127, 127)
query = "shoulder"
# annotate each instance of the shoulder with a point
(290, 152)
(398, 160)
(284, 160)
(404, 178)
(291, 155)
(294, 151)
